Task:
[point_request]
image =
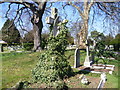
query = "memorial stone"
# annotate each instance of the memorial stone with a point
(77, 58)
(87, 59)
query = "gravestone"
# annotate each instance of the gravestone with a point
(77, 58)
(53, 20)
(87, 61)
(92, 58)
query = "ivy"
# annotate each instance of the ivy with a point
(53, 64)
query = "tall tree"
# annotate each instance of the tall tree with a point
(35, 10)
(10, 35)
(84, 8)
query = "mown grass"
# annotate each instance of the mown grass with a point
(70, 57)
(112, 80)
(17, 67)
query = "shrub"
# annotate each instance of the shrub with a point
(53, 65)
(28, 46)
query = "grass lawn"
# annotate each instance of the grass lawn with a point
(17, 67)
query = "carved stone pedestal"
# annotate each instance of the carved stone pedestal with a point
(87, 61)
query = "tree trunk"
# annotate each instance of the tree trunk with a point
(37, 38)
(84, 31)
(83, 35)
(37, 26)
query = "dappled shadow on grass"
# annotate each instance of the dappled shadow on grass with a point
(82, 72)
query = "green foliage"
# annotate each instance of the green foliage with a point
(70, 39)
(28, 37)
(28, 46)
(100, 51)
(116, 42)
(10, 34)
(53, 65)
(58, 43)
(44, 40)
(101, 42)
(99, 48)
(108, 39)
(97, 36)
(60, 85)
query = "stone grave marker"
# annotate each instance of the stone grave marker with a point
(92, 58)
(77, 58)
(87, 59)
(53, 20)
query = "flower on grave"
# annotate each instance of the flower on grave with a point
(84, 81)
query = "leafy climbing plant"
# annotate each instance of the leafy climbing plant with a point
(53, 64)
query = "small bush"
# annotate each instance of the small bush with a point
(28, 46)
(53, 64)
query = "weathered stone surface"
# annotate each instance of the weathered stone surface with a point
(87, 61)
(77, 58)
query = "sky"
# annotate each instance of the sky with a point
(72, 16)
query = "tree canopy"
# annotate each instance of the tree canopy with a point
(10, 34)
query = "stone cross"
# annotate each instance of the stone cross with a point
(87, 59)
(53, 20)
(77, 58)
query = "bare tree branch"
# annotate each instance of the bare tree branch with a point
(81, 14)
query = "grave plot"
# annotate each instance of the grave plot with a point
(75, 82)
(88, 63)
(98, 68)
